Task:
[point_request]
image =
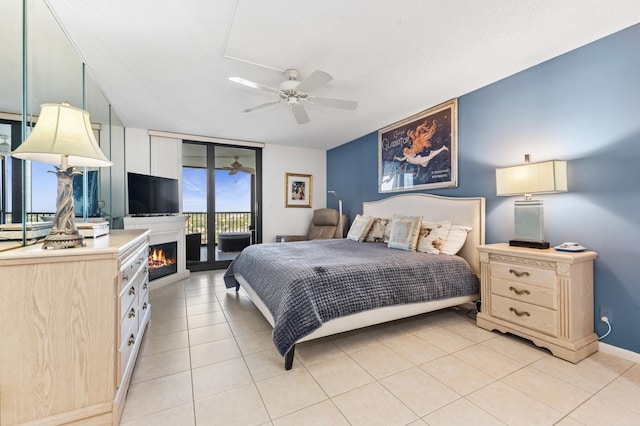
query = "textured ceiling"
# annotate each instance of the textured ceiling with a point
(165, 65)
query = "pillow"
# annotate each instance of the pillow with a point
(432, 236)
(360, 228)
(455, 239)
(379, 229)
(404, 232)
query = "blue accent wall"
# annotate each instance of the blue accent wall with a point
(583, 107)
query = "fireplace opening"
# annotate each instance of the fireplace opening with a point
(163, 260)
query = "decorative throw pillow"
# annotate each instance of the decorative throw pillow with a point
(432, 236)
(405, 231)
(360, 228)
(455, 239)
(378, 230)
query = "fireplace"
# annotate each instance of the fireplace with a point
(164, 229)
(163, 260)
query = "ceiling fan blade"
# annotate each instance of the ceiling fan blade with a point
(300, 114)
(333, 103)
(249, 170)
(315, 80)
(268, 104)
(253, 84)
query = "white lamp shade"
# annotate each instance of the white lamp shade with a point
(532, 178)
(62, 130)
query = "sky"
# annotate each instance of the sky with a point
(233, 192)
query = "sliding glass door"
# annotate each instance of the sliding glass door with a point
(221, 195)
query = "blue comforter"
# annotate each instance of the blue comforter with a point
(305, 284)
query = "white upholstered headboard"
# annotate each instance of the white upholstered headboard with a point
(468, 211)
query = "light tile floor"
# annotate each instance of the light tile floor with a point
(207, 358)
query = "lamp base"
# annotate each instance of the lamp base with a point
(530, 244)
(63, 239)
(65, 233)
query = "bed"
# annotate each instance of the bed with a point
(340, 285)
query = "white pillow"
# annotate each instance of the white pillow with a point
(433, 236)
(404, 233)
(360, 228)
(455, 239)
(379, 229)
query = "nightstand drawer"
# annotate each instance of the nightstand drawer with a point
(525, 314)
(541, 296)
(524, 274)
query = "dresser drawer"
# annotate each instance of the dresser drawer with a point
(541, 296)
(143, 308)
(125, 350)
(524, 274)
(134, 264)
(129, 322)
(525, 314)
(128, 273)
(128, 298)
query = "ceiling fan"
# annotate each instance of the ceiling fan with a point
(296, 93)
(236, 167)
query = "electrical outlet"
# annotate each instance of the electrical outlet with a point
(606, 312)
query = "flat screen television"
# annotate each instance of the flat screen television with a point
(152, 195)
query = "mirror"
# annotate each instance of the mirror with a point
(53, 73)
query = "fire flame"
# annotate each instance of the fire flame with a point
(157, 259)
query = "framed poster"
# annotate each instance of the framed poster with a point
(420, 152)
(297, 190)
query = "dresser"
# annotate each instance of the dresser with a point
(71, 324)
(545, 296)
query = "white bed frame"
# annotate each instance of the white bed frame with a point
(461, 211)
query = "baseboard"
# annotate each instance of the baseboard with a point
(619, 352)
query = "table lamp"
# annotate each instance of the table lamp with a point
(63, 135)
(527, 179)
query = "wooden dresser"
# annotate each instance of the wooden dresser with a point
(71, 324)
(545, 296)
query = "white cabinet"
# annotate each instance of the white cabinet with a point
(545, 296)
(69, 341)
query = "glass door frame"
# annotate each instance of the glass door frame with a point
(256, 203)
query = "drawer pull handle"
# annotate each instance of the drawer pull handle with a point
(132, 313)
(515, 311)
(132, 291)
(519, 292)
(518, 273)
(132, 340)
(144, 286)
(144, 306)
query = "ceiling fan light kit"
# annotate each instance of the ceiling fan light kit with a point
(295, 93)
(236, 167)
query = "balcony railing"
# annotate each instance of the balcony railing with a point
(31, 217)
(197, 223)
(225, 222)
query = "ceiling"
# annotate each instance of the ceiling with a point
(165, 65)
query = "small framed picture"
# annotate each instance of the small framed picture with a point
(297, 190)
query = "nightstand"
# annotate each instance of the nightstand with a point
(545, 296)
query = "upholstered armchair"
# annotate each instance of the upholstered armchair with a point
(325, 225)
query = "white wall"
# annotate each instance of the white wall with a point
(137, 149)
(277, 160)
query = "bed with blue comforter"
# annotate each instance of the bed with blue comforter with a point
(306, 284)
